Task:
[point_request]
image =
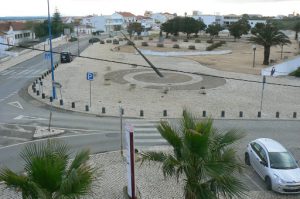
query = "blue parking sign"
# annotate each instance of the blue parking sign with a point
(90, 76)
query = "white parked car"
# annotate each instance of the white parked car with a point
(274, 164)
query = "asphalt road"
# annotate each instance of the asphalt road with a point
(100, 134)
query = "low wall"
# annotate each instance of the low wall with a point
(283, 68)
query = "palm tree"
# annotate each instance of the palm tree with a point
(268, 35)
(49, 174)
(202, 156)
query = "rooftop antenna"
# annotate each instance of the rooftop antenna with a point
(145, 58)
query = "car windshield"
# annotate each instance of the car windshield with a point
(282, 160)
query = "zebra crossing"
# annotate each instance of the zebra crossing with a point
(146, 133)
(17, 73)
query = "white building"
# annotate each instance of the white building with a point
(14, 33)
(146, 22)
(253, 22)
(159, 18)
(209, 19)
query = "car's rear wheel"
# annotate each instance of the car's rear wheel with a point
(247, 159)
(268, 183)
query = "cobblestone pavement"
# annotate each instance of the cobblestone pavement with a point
(111, 178)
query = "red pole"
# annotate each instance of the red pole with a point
(132, 165)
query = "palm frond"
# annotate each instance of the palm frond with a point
(171, 136)
(81, 158)
(153, 156)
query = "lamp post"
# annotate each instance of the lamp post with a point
(51, 56)
(254, 49)
(78, 52)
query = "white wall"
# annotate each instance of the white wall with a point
(207, 19)
(283, 68)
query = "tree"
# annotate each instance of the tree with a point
(48, 174)
(187, 25)
(214, 29)
(239, 28)
(296, 29)
(202, 156)
(134, 27)
(268, 35)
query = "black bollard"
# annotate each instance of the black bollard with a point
(259, 114)
(37, 92)
(277, 114)
(34, 89)
(73, 104)
(141, 113)
(103, 110)
(241, 113)
(222, 113)
(203, 113)
(86, 108)
(61, 102)
(165, 114)
(43, 96)
(51, 99)
(295, 115)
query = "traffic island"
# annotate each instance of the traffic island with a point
(43, 132)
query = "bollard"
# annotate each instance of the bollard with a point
(51, 99)
(222, 113)
(165, 113)
(73, 104)
(86, 108)
(203, 113)
(34, 89)
(40, 78)
(277, 114)
(61, 102)
(259, 114)
(33, 86)
(241, 113)
(38, 92)
(103, 110)
(41, 83)
(122, 111)
(43, 96)
(141, 113)
(36, 81)
(295, 115)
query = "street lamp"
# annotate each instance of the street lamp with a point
(51, 56)
(254, 49)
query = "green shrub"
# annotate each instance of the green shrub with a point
(215, 45)
(108, 41)
(197, 41)
(296, 73)
(120, 39)
(160, 45)
(140, 38)
(210, 41)
(72, 39)
(93, 40)
(192, 47)
(150, 38)
(130, 43)
(102, 42)
(176, 46)
(185, 40)
(174, 39)
(115, 41)
(144, 43)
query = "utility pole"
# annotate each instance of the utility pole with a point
(78, 53)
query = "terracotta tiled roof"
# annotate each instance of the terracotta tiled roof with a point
(4, 26)
(126, 14)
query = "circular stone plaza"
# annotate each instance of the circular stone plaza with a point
(187, 83)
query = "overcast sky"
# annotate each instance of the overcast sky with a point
(138, 7)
